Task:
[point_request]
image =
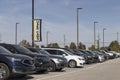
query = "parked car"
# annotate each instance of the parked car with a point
(106, 56)
(76, 52)
(101, 57)
(14, 64)
(116, 54)
(111, 55)
(89, 58)
(57, 63)
(73, 60)
(42, 62)
(94, 56)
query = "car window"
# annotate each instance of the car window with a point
(44, 52)
(5, 51)
(61, 53)
(33, 50)
(22, 49)
(53, 52)
(68, 52)
(11, 49)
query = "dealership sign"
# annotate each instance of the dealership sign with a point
(37, 30)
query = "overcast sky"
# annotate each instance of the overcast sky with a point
(59, 18)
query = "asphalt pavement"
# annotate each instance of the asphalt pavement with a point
(108, 70)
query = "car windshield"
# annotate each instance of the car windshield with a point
(43, 52)
(4, 51)
(68, 52)
(22, 49)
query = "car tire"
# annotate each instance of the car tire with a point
(59, 69)
(42, 71)
(21, 76)
(52, 66)
(4, 71)
(72, 64)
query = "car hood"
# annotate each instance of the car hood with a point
(81, 57)
(18, 56)
(34, 54)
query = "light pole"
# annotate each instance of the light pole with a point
(47, 37)
(0, 37)
(98, 41)
(16, 32)
(95, 33)
(32, 23)
(64, 40)
(117, 37)
(103, 36)
(78, 27)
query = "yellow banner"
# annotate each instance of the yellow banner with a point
(35, 24)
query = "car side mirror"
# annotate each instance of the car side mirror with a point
(64, 54)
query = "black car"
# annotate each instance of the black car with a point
(14, 64)
(57, 63)
(95, 56)
(89, 58)
(42, 62)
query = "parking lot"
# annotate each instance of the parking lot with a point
(108, 70)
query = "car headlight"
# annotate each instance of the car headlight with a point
(14, 59)
(57, 60)
(81, 58)
(60, 60)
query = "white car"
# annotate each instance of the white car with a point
(111, 55)
(116, 53)
(73, 60)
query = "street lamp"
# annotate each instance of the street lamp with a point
(103, 36)
(47, 37)
(32, 23)
(118, 37)
(78, 27)
(16, 32)
(95, 33)
(64, 40)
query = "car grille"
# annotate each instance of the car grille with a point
(41, 60)
(28, 62)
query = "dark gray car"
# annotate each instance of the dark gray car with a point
(57, 63)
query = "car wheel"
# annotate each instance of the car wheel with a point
(52, 66)
(4, 71)
(72, 64)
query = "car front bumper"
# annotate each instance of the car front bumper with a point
(23, 70)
